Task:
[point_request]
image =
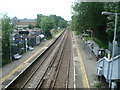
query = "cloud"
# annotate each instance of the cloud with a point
(30, 8)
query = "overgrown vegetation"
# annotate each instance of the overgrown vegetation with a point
(114, 8)
(87, 17)
(98, 84)
(6, 30)
(57, 32)
(101, 44)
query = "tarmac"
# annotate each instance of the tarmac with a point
(84, 64)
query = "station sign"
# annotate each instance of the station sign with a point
(17, 38)
(24, 32)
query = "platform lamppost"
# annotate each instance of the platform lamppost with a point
(10, 37)
(113, 50)
(91, 47)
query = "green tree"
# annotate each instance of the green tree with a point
(88, 16)
(113, 7)
(39, 16)
(6, 30)
(62, 23)
(46, 23)
(59, 21)
(30, 26)
(56, 20)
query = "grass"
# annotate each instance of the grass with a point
(57, 32)
(88, 38)
(98, 84)
(101, 43)
(48, 38)
(76, 33)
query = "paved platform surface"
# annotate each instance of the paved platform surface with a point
(84, 67)
(84, 64)
(10, 71)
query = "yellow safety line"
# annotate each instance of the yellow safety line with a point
(20, 66)
(82, 67)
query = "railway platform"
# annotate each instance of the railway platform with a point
(12, 70)
(84, 64)
(82, 70)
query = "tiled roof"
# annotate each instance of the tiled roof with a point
(24, 20)
(27, 20)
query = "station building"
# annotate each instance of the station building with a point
(23, 23)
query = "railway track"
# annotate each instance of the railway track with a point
(62, 80)
(58, 77)
(50, 70)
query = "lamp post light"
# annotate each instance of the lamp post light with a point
(113, 50)
(10, 47)
(91, 47)
(10, 37)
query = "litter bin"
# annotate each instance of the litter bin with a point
(101, 53)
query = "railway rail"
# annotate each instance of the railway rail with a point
(50, 69)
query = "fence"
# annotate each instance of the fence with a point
(117, 48)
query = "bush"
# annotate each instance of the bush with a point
(98, 84)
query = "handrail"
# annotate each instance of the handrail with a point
(104, 58)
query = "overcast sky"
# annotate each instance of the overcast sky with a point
(30, 8)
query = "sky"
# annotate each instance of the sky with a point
(30, 8)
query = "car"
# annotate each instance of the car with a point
(31, 48)
(17, 56)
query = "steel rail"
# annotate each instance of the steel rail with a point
(40, 85)
(34, 61)
(43, 77)
(58, 69)
(33, 73)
